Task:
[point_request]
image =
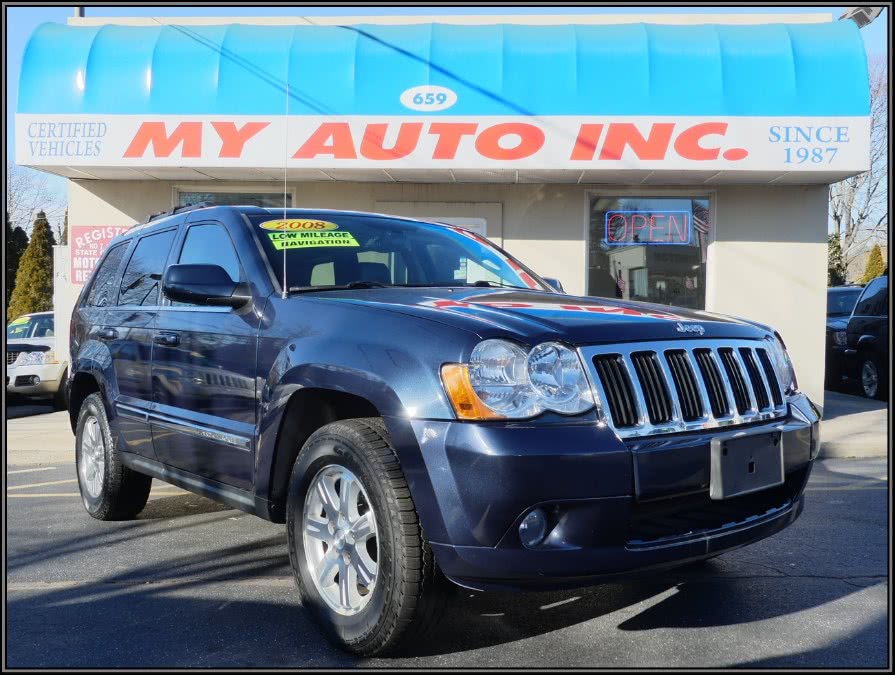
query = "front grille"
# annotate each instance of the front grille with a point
(658, 400)
(761, 392)
(11, 357)
(619, 392)
(685, 384)
(737, 382)
(665, 387)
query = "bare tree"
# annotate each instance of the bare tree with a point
(27, 192)
(859, 206)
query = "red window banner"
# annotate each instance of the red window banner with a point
(87, 243)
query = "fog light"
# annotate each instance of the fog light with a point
(533, 528)
(35, 379)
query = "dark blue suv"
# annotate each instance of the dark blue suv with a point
(419, 407)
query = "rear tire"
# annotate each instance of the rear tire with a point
(872, 379)
(109, 490)
(395, 592)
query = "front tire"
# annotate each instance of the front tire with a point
(360, 559)
(109, 490)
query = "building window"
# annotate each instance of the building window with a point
(649, 248)
(263, 199)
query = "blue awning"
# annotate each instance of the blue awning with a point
(631, 69)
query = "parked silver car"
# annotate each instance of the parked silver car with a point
(33, 368)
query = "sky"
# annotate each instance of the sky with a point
(21, 22)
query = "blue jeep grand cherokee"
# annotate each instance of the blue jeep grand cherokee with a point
(417, 406)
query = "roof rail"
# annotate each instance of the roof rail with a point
(180, 209)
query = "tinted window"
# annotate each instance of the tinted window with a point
(875, 301)
(210, 244)
(649, 248)
(143, 275)
(842, 302)
(102, 292)
(338, 249)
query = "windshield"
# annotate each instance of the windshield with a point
(337, 250)
(842, 302)
(30, 327)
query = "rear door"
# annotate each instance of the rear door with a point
(203, 372)
(868, 327)
(126, 329)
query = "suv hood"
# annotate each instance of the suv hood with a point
(20, 343)
(533, 316)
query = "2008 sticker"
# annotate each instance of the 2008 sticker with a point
(299, 225)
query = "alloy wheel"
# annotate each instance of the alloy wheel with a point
(869, 379)
(93, 457)
(340, 539)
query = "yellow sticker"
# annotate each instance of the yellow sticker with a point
(299, 225)
(283, 240)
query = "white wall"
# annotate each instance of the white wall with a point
(767, 262)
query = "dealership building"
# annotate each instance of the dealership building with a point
(679, 159)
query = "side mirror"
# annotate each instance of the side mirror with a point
(203, 285)
(555, 284)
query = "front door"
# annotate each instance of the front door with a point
(126, 330)
(203, 373)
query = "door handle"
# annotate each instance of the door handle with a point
(167, 339)
(108, 334)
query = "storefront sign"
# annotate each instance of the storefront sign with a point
(87, 243)
(624, 228)
(827, 145)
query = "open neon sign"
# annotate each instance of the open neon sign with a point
(627, 228)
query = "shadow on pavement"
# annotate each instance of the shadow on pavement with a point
(259, 622)
(17, 410)
(837, 404)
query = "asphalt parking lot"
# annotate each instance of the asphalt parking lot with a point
(194, 584)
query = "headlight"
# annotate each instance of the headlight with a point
(839, 338)
(36, 358)
(558, 379)
(782, 365)
(503, 380)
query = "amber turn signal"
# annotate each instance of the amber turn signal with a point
(467, 406)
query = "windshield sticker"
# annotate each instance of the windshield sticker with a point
(283, 240)
(299, 225)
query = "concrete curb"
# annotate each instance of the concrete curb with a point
(854, 427)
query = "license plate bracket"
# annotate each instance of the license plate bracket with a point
(741, 464)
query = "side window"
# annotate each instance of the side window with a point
(143, 274)
(209, 244)
(102, 292)
(875, 299)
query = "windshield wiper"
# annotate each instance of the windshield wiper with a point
(341, 287)
(484, 283)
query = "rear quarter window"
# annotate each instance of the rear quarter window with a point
(875, 300)
(104, 287)
(142, 277)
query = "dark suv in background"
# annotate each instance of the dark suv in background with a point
(418, 406)
(867, 340)
(841, 300)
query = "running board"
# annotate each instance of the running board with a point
(226, 494)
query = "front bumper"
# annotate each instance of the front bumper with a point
(18, 379)
(615, 507)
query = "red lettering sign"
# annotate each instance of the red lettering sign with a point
(631, 228)
(87, 243)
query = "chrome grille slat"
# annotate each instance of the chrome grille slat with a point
(11, 357)
(636, 386)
